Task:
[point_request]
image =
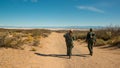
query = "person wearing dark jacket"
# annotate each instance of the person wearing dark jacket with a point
(69, 42)
(91, 39)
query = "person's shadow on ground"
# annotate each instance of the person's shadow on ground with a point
(60, 55)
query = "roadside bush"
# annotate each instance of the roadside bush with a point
(116, 42)
(103, 34)
(100, 42)
(14, 38)
(80, 34)
(36, 42)
(110, 41)
(33, 49)
(11, 41)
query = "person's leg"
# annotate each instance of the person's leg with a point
(67, 51)
(67, 48)
(89, 48)
(70, 51)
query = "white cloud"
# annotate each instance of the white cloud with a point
(90, 8)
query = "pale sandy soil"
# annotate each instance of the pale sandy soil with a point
(52, 54)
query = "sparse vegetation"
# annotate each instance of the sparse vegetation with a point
(110, 35)
(15, 38)
(106, 36)
(33, 49)
(80, 34)
(100, 42)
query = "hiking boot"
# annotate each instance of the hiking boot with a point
(91, 54)
(69, 57)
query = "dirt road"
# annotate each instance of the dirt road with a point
(52, 54)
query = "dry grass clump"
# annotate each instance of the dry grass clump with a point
(14, 38)
(103, 34)
(80, 34)
(115, 41)
(110, 35)
(33, 49)
(100, 42)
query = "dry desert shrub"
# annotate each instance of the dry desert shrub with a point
(100, 42)
(15, 38)
(80, 34)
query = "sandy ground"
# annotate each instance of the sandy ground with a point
(52, 54)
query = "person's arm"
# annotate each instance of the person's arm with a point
(94, 42)
(74, 38)
(64, 35)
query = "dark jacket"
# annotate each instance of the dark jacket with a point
(90, 37)
(68, 38)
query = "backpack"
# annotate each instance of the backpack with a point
(90, 36)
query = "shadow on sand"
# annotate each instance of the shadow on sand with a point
(110, 47)
(61, 55)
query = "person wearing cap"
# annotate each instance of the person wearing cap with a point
(69, 42)
(90, 39)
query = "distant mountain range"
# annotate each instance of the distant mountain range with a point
(52, 27)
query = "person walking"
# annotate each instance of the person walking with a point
(91, 39)
(69, 42)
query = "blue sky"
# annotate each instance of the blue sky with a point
(59, 12)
